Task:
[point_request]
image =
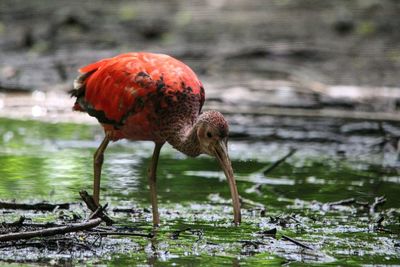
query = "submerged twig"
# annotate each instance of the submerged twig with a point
(36, 206)
(268, 233)
(126, 210)
(342, 202)
(199, 233)
(150, 235)
(296, 242)
(268, 169)
(75, 227)
(177, 233)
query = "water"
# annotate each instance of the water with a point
(53, 162)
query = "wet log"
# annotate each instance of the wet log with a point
(75, 227)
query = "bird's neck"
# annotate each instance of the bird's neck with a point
(186, 140)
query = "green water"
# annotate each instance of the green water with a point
(53, 162)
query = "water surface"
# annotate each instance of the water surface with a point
(53, 162)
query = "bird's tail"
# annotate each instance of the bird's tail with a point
(79, 89)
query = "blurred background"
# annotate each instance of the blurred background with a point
(330, 42)
(303, 59)
(319, 77)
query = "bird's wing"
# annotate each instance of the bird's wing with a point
(112, 88)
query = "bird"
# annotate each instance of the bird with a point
(143, 96)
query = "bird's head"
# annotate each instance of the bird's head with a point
(212, 134)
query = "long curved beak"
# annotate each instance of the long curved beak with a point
(221, 153)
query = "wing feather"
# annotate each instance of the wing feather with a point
(113, 86)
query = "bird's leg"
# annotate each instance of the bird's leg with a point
(98, 159)
(152, 183)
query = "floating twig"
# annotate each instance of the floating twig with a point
(294, 241)
(268, 169)
(36, 206)
(75, 227)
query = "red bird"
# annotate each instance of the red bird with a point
(146, 96)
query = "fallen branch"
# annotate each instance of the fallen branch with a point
(75, 227)
(89, 201)
(36, 206)
(268, 169)
(294, 241)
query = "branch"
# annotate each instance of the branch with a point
(36, 206)
(88, 199)
(342, 202)
(278, 162)
(296, 242)
(377, 202)
(122, 234)
(75, 227)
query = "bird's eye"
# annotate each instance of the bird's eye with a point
(209, 135)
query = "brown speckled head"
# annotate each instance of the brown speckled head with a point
(212, 128)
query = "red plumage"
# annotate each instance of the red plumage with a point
(145, 96)
(133, 95)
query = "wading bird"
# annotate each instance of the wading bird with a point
(154, 97)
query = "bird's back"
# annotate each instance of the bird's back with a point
(139, 96)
